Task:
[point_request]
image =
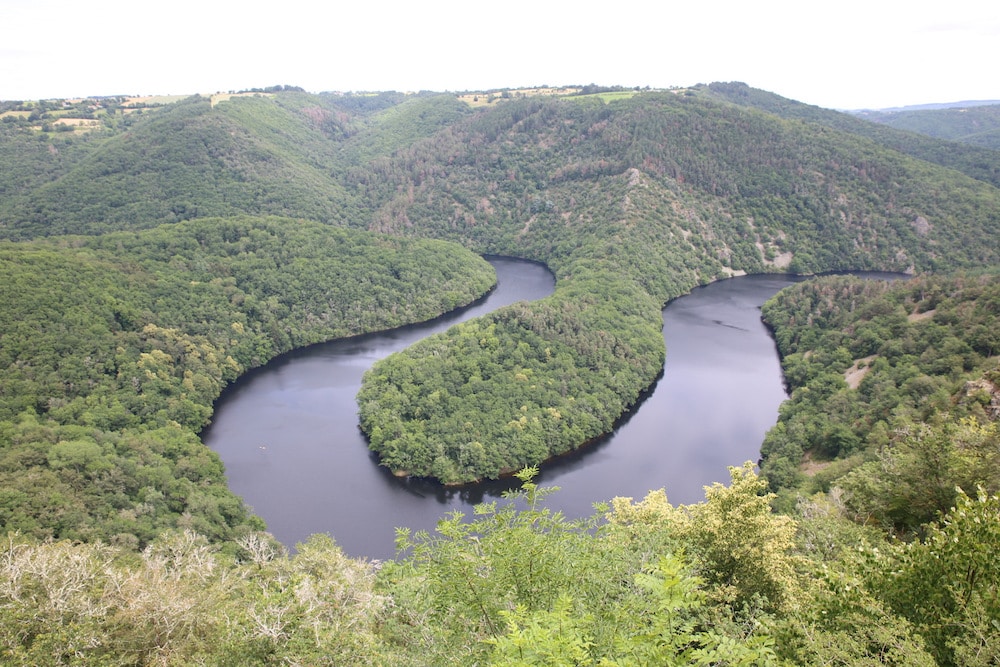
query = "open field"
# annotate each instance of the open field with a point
(152, 100)
(486, 97)
(77, 123)
(222, 97)
(611, 95)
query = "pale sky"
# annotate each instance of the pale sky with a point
(847, 54)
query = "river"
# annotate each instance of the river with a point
(288, 432)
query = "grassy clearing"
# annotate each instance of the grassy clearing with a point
(611, 95)
(222, 97)
(486, 97)
(77, 123)
(152, 100)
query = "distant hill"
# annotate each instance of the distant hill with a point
(978, 161)
(186, 160)
(751, 183)
(974, 123)
(931, 106)
(274, 154)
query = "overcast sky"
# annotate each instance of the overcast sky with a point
(847, 54)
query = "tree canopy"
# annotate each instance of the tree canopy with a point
(141, 273)
(115, 347)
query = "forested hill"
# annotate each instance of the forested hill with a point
(113, 349)
(894, 393)
(201, 157)
(746, 184)
(631, 197)
(183, 161)
(114, 343)
(722, 152)
(632, 202)
(935, 136)
(975, 124)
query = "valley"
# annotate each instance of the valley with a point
(154, 255)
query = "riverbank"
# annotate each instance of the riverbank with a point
(718, 396)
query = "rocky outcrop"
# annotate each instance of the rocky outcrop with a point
(986, 392)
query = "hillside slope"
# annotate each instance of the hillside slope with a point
(114, 348)
(979, 160)
(631, 202)
(978, 125)
(747, 177)
(277, 154)
(247, 155)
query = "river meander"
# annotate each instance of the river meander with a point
(288, 432)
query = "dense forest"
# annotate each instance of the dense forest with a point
(144, 269)
(115, 347)
(632, 203)
(895, 394)
(942, 143)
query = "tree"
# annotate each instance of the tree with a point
(738, 545)
(671, 633)
(918, 477)
(948, 584)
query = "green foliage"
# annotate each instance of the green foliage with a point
(400, 125)
(741, 547)
(837, 617)
(844, 623)
(182, 602)
(920, 427)
(673, 635)
(188, 160)
(469, 572)
(976, 158)
(114, 349)
(947, 583)
(915, 423)
(516, 585)
(919, 476)
(544, 638)
(527, 586)
(513, 388)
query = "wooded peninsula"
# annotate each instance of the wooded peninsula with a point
(155, 251)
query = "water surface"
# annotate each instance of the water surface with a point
(289, 438)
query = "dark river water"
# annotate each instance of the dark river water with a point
(289, 438)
